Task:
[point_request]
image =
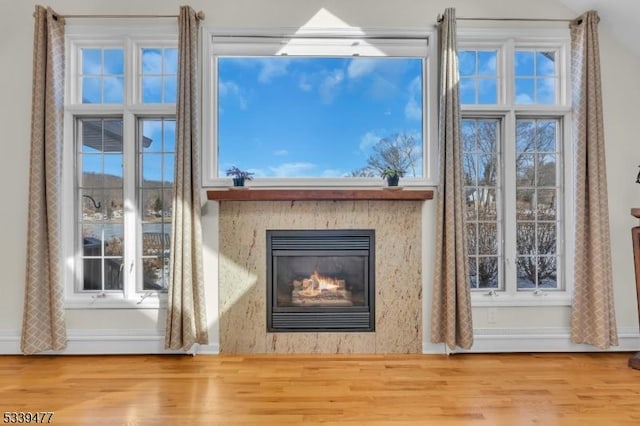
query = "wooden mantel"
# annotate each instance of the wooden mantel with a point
(251, 194)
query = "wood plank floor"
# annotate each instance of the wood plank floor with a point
(514, 389)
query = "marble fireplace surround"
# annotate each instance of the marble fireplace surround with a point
(242, 274)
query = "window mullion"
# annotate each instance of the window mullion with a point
(131, 213)
(509, 203)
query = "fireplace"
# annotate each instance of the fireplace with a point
(320, 280)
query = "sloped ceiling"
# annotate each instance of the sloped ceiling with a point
(620, 17)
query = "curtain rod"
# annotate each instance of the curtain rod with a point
(441, 17)
(200, 15)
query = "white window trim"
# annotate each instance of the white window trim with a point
(358, 41)
(506, 41)
(130, 34)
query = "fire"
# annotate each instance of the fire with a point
(317, 285)
(325, 283)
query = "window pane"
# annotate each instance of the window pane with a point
(487, 238)
(151, 89)
(158, 74)
(467, 91)
(467, 62)
(525, 91)
(487, 63)
(156, 197)
(92, 61)
(546, 63)
(526, 238)
(547, 272)
(472, 238)
(488, 272)
(546, 207)
(319, 116)
(487, 170)
(479, 76)
(535, 77)
(525, 203)
(547, 238)
(525, 63)
(170, 90)
(113, 90)
(480, 141)
(487, 92)
(102, 76)
(525, 170)
(546, 170)
(526, 272)
(546, 91)
(170, 61)
(113, 61)
(537, 221)
(152, 61)
(91, 90)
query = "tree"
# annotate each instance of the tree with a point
(400, 151)
(157, 206)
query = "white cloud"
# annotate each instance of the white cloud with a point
(413, 108)
(304, 84)
(292, 169)
(280, 152)
(360, 67)
(230, 88)
(330, 86)
(523, 99)
(272, 68)
(368, 140)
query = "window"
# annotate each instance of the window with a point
(120, 138)
(318, 109)
(516, 169)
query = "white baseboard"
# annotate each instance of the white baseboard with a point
(105, 342)
(534, 340)
(112, 342)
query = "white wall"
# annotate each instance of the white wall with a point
(140, 331)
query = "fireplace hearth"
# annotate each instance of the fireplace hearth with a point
(320, 280)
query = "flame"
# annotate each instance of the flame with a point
(325, 283)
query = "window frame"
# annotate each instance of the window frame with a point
(130, 35)
(506, 42)
(349, 42)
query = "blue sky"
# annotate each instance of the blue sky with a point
(313, 117)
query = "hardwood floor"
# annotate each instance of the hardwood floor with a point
(514, 389)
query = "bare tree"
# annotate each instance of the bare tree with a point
(400, 151)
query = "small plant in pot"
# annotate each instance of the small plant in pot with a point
(239, 176)
(392, 175)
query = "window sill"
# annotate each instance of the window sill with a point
(387, 193)
(480, 300)
(149, 302)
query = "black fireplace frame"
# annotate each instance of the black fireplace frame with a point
(321, 243)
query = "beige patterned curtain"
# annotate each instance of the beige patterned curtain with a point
(451, 305)
(186, 315)
(593, 315)
(43, 325)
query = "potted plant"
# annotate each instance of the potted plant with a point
(392, 175)
(239, 176)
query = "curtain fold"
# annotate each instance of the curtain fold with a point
(593, 314)
(43, 326)
(186, 314)
(451, 300)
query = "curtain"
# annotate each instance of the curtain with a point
(43, 326)
(451, 304)
(186, 315)
(593, 315)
